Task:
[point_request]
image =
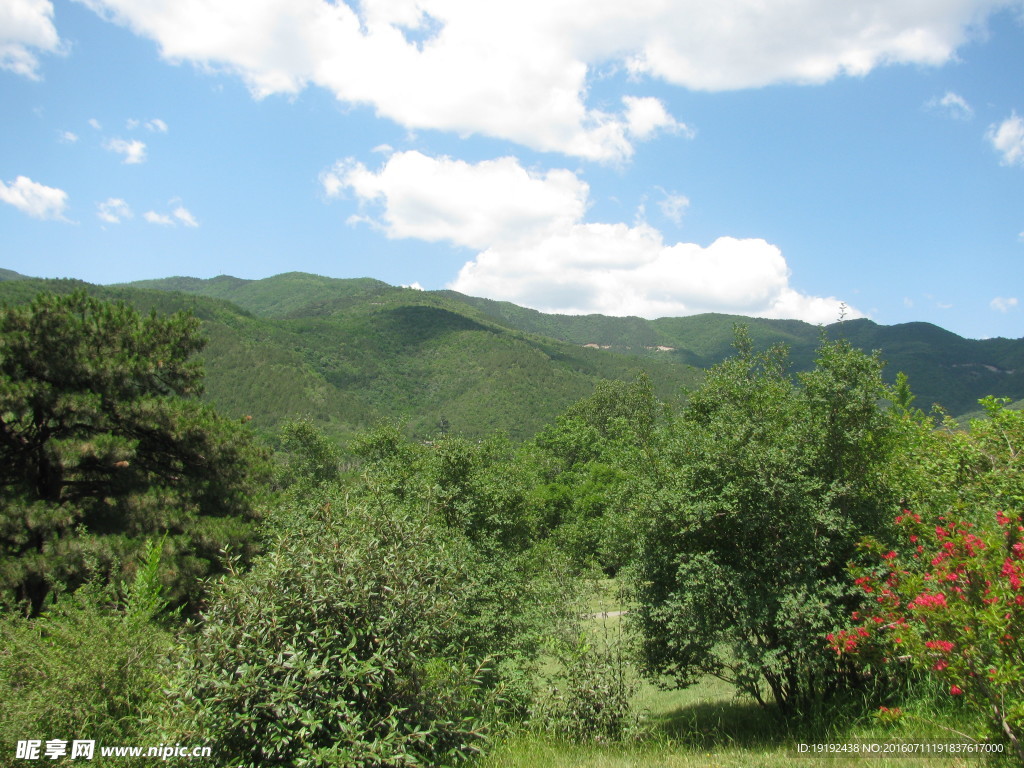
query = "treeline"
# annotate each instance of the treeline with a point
(813, 539)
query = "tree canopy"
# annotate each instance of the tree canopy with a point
(102, 444)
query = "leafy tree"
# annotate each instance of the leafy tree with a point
(312, 458)
(99, 447)
(768, 485)
(588, 463)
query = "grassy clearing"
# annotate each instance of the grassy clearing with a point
(709, 726)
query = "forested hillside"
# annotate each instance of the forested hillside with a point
(348, 353)
(942, 367)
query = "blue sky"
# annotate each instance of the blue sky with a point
(772, 159)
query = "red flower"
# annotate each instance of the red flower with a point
(955, 689)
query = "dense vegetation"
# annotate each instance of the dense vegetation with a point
(809, 538)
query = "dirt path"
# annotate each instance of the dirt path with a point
(605, 614)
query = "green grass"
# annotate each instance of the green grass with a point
(709, 725)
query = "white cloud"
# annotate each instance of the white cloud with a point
(414, 286)
(113, 210)
(95, 124)
(535, 249)
(158, 218)
(521, 71)
(1003, 304)
(183, 215)
(37, 200)
(26, 28)
(134, 151)
(1008, 139)
(954, 104)
(68, 137)
(179, 215)
(156, 125)
(673, 206)
(131, 123)
(646, 116)
(470, 205)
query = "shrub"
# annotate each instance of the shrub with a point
(338, 648)
(766, 487)
(950, 603)
(589, 697)
(91, 666)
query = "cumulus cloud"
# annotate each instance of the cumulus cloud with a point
(1007, 139)
(68, 137)
(471, 205)
(535, 249)
(521, 71)
(647, 116)
(1003, 304)
(134, 151)
(37, 200)
(157, 125)
(113, 210)
(954, 105)
(26, 29)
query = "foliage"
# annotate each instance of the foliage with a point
(768, 485)
(90, 667)
(948, 598)
(951, 603)
(588, 463)
(312, 459)
(99, 447)
(478, 492)
(589, 695)
(339, 647)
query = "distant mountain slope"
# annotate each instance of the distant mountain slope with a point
(348, 353)
(942, 367)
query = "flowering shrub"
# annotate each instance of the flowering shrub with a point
(951, 603)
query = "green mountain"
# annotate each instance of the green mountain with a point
(350, 352)
(943, 368)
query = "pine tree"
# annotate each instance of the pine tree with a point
(103, 443)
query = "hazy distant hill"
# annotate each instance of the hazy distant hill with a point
(349, 352)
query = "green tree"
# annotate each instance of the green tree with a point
(311, 457)
(769, 483)
(587, 465)
(102, 445)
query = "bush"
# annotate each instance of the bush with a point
(950, 603)
(91, 666)
(339, 647)
(589, 697)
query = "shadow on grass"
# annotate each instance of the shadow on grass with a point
(712, 725)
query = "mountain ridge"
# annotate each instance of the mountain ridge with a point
(351, 351)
